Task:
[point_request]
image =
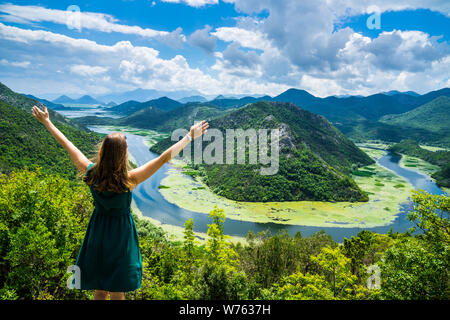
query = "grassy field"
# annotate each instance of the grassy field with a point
(386, 192)
(418, 164)
(430, 148)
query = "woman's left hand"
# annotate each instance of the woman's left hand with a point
(42, 116)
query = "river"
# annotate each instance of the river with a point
(152, 204)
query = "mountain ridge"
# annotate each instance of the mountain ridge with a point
(315, 158)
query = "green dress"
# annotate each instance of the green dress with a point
(109, 258)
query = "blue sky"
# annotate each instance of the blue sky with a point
(232, 47)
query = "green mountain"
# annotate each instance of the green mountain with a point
(314, 163)
(25, 103)
(426, 124)
(24, 142)
(49, 104)
(433, 116)
(356, 108)
(157, 119)
(152, 118)
(130, 107)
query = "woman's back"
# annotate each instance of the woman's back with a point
(110, 258)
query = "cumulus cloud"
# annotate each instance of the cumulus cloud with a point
(87, 20)
(118, 66)
(406, 50)
(202, 39)
(293, 44)
(236, 57)
(303, 45)
(246, 38)
(87, 71)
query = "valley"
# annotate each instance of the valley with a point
(179, 190)
(170, 197)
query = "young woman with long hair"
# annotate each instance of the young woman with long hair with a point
(109, 259)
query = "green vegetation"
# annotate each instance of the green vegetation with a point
(433, 116)
(428, 123)
(315, 158)
(156, 119)
(161, 104)
(439, 158)
(43, 219)
(26, 143)
(186, 193)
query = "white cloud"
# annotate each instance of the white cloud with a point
(20, 64)
(87, 20)
(121, 65)
(193, 3)
(294, 44)
(88, 71)
(246, 38)
(202, 39)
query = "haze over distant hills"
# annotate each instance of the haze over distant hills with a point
(360, 118)
(86, 99)
(142, 95)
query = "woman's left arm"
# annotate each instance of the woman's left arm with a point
(78, 158)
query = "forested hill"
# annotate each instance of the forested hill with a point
(428, 123)
(26, 103)
(130, 107)
(440, 158)
(433, 116)
(25, 142)
(315, 158)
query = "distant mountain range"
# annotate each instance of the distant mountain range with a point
(193, 99)
(129, 107)
(393, 92)
(142, 95)
(360, 118)
(47, 103)
(83, 100)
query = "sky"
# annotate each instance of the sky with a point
(230, 47)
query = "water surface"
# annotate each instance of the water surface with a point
(152, 204)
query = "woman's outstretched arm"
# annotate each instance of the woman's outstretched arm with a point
(78, 158)
(145, 171)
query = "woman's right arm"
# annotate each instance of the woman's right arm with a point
(145, 171)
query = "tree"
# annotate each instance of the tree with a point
(411, 270)
(43, 219)
(189, 260)
(336, 267)
(218, 245)
(431, 214)
(418, 267)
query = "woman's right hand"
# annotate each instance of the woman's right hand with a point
(198, 129)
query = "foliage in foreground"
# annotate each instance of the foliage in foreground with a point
(43, 220)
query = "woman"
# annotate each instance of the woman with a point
(109, 260)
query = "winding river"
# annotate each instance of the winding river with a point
(152, 204)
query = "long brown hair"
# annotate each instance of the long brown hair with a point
(110, 172)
